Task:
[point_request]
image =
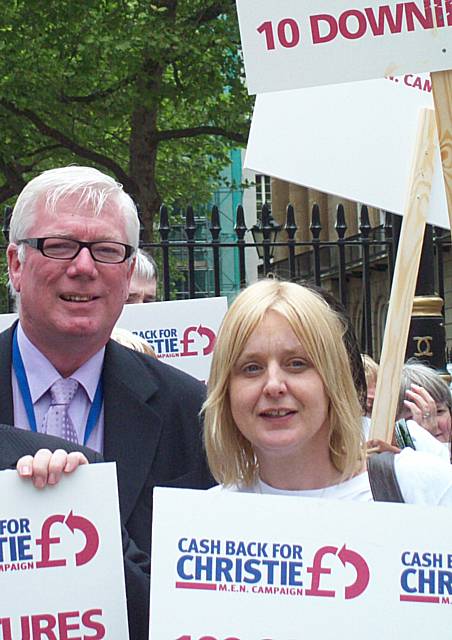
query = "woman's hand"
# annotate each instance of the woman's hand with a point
(422, 408)
(46, 467)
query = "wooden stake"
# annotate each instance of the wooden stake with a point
(442, 97)
(404, 282)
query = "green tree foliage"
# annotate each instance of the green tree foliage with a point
(151, 92)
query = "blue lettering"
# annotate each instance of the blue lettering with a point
(223, 568)
(250, 567)
(426, 581)
(180, 544)
(230, 547)
(445, 582)
(202, 568)
(295, 569)
(181, 568)
(23, 545)
(404, 580)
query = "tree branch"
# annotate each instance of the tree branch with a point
(71, 145)
(41, 150)
(15, 181)
(192, 132)
(96, 95)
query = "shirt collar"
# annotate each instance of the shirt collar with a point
(39, 383)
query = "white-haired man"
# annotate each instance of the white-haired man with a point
(143, 285)
(73, 238)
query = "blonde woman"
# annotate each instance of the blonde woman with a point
(282, 413)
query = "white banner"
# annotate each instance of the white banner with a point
(229, 566)
(353, 140)
(182, 333)
(6, 320)
(61, 567)
(288, 44)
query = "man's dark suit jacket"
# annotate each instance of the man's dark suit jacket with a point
(15, 443)
(151, 429)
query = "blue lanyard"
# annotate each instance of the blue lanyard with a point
(18, 365)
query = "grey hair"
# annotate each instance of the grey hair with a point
(92, 187)
(145, 267)
(14, 295)
(414, 372)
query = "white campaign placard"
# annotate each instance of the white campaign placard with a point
(240, 566)
(7, 319)
(182, 332)
(288, 44)
(61, 567)
(353, 140)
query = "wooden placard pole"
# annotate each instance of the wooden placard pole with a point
(404, 282)
(442, 97)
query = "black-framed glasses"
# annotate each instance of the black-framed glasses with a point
(68, 249)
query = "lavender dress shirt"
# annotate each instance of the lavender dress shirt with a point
(41, 374)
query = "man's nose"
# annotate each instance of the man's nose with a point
(83, 264)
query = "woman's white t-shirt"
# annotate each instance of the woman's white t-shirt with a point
(423, 479)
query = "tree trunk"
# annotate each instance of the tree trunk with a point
(143, 147)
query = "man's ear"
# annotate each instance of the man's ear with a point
(14, 265)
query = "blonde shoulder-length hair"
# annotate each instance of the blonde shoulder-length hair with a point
(320, 330)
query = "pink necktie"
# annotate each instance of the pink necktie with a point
(57, 421)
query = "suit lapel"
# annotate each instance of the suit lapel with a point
(6, 393)
(11, 448)
(132, 427)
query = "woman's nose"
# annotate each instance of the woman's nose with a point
(275, 383)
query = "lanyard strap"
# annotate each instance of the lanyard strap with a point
(24, 388)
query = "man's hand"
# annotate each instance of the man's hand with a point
(46, 467)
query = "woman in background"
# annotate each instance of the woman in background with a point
(425, 398)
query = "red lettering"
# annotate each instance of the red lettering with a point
(267, 28)
(344, 29)
(186, 341)
(25, 627)
(42, 626)
(98, 627)
(64, 626)
(439, 13)
(294, 37)
(448, 6)
(424, 19)
(5, 624)
(45, 541)
(418, 83)
(317, 570)
(384, 14)
(315, 29)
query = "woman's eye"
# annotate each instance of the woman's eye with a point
(297, 363)
(251, 368)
